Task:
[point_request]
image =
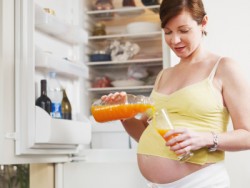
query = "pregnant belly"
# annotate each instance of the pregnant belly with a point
(162, 170)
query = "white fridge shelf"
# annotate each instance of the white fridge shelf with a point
(133, 61)
(134, 89)
(47, 61)
(52, 25)
(58, 131)
(137, 36)
(124, 11)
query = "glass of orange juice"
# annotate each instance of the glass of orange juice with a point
(163, 124)
(104, 111)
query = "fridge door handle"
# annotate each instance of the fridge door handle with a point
(11, 135)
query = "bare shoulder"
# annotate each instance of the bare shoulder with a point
(227, 63)
(231, 72)
(164, 72)
(229, 68)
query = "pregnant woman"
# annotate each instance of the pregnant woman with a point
(199, 94)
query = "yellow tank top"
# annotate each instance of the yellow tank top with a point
(197, 107)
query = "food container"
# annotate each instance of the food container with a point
(99, 29)
(127, 83)
(99, 56)
(103, 111)
(142, 27)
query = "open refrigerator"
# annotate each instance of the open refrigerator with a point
(44, 36)
(34, 42)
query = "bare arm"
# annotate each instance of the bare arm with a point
(135, 127)
(236, 94)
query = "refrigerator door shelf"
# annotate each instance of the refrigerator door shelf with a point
(47, 61)
(52, 25)
(58, 131)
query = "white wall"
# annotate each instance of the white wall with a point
(229, 35)
(229, 29)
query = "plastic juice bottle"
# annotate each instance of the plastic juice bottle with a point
(109, 112)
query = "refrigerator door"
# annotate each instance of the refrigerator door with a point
(37, 131)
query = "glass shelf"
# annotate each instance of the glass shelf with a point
(123, 10)
(134, 89)
(137, 36)
(152, 61)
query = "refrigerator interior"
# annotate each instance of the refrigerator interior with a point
(110, 150)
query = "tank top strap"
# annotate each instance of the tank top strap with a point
(212, 73)
(158, 79)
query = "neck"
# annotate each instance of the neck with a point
(197, 56)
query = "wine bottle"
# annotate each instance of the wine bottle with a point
(44, 101)
(66, 107)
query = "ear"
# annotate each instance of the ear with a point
(204, 22)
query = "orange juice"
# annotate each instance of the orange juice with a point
(118, 111)
(162, 132)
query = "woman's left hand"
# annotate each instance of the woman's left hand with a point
(187, 140)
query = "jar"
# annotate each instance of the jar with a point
(104, 5)
(99, 29)
(128, 3)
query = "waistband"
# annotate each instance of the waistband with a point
(214, 175)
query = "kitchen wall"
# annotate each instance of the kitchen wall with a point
(228, 35)
(41, 176)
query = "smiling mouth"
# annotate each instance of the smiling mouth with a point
(179, 48)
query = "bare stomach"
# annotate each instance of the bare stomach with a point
(162, 170)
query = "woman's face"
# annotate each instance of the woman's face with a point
(183, 34)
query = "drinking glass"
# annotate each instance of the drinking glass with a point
(163, 124)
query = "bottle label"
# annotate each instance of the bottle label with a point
(56, 110)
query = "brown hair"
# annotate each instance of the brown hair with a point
(171, 8)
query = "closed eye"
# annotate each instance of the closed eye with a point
(184, 31)
(168, 32)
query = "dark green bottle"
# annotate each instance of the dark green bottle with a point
(66, 107)
(44, 101)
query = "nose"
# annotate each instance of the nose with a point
(175, 39)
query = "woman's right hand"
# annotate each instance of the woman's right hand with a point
(115, 98)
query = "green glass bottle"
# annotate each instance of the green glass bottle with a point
(66, 107)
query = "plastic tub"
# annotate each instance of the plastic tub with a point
(142, 27)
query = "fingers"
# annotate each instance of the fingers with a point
(180, 142)
(176, 136)
(179, 149)
(117, 97)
